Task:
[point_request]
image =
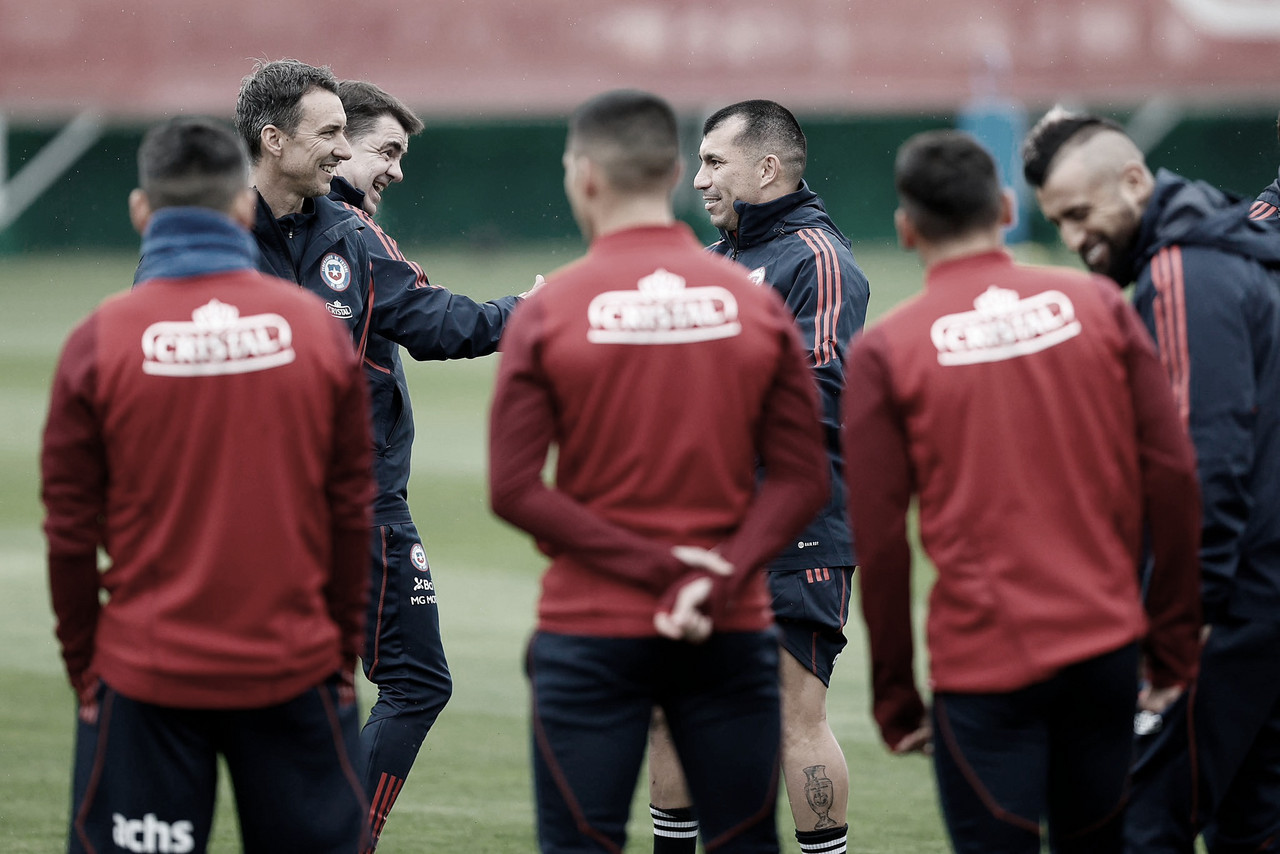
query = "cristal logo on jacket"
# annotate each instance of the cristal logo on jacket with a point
(216, 341)
(662, 310)
(1003, 326)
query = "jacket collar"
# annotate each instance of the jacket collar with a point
(193, 241)
(341, 191)
(758, 223)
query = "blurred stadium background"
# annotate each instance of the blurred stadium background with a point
(482, 208)
(79, 80)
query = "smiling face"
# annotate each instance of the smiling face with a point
(375, 160)
(1096, 200)
(310, 155)
(728, 173)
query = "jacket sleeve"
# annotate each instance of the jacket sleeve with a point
(73, 468)
(349, 491)
(521, 431)
(1267, 207)
(879, 475)
(430, 322)
(796, 479)
(828, 298)
(1171, 507)
(1200, 321)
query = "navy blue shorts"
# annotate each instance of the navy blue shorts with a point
(1056, 751)
(811, 607)
(592, 701)
(146, 776)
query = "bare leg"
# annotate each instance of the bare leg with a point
(813, 764)
(667, 788)
(675, 831)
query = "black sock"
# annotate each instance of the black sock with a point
(829, 840)
(675, 831)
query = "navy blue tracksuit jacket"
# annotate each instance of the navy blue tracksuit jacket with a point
(1208, 289)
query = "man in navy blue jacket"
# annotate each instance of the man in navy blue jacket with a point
(752, 181)
(316, 228)
(405, 656)
(291, 118)
(1208, 288)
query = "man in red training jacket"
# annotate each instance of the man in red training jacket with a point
(661, 373)
(1028, 411)
(210, 431)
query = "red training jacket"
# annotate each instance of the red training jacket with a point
(661, 373)
(211, 433)
(1028, 410)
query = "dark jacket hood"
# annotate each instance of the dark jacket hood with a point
(1194, 213)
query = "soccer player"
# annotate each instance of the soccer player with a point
(1027, 410)
(1267, 207)
(404, 655)
(661, 373)
(753, 157)
(1208, 291)
(209, 430)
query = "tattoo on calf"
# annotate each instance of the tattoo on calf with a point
(818, 791)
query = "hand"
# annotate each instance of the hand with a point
(346, 686)
(700, 558)
(685, 621)
(918, 741)
(1158, 699)
(538, 282)
(88, 705)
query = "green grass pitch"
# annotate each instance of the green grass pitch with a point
(470, 789)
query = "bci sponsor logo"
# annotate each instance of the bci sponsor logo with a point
(149, 835)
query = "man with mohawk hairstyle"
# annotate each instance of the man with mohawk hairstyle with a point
(1207, 285)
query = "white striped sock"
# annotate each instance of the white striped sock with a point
(665, 824)
(839, 845)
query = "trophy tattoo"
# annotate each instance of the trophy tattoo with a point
(818, 790)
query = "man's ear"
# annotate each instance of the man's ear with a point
(770, 170)
(908, 237)
(272, 140)
(139, 210)
(244, 209)
(1136, 181)
(590, 178)
(1008, 209)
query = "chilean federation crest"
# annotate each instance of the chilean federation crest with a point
(418, 557)
(336, 272)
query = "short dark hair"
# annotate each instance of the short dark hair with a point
(1056, 129)
(632, 135)
(272, 95)
(365, 103)
(768, 125)
(947, 184)
(192, 162)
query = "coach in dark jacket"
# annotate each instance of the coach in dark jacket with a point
(1208, 288)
